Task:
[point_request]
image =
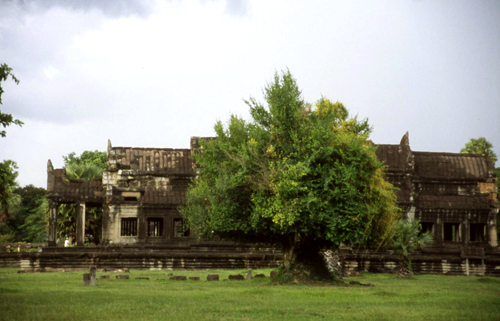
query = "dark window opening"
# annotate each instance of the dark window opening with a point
(478, 232)
(130, 199)
(452, 232)
(155, 226)
(427, 227)
(129, 227)
(179, 228)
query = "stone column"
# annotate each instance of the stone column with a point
(439, 231)
(466, 231)
(80, 224)
(492, 229)
(105, 235)
(142, 231)
(53, 223)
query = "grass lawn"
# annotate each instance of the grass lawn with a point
(61, 296)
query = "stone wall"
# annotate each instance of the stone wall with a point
(430, 261)
(194, 256)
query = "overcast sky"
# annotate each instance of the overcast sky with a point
(154, 73)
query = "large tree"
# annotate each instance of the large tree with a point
(31, 198)
(299, 178)
(479, 146)
(7, 119)
(9, 200)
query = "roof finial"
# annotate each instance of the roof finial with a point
(405, 140)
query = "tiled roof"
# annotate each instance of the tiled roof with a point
(61, 190)
(450, 166)
(392, 156)
(449, 202)
(156, 160)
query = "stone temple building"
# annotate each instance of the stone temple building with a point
(453, 195)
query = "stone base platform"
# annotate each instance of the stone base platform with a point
(173, 256)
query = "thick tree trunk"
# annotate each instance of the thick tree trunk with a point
(290, 247)
(304, 261)
(404, 271)
(289, 256)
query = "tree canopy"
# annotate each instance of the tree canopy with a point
(7, 119)
(96, 158)
(301, 177)
(8, 199)
(88, 166)
(479, 146)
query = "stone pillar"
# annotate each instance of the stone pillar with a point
(142, 226)
(439, 231)
(80, 224)
(106, 232)
(466, 232)
(53, 223)
(492, 229)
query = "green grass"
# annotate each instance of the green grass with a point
(61, 296)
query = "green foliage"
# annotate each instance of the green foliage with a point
(88, 172)
(498, 178)
(479, 146)
(298, 178)
(96, 158)
(7, 119)
(36, 224)
(408, 237)
(6, 236)
(30, 198)
(66, 222)
(9, 200)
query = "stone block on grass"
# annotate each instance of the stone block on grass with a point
(237, 277)
(260, 276)
(273, 274)
(104, 277)
(89, 279)
(125, 277)
(178, 278)
(93, 270)
(213, 277)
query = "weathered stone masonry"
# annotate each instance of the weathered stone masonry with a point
(453, 195)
